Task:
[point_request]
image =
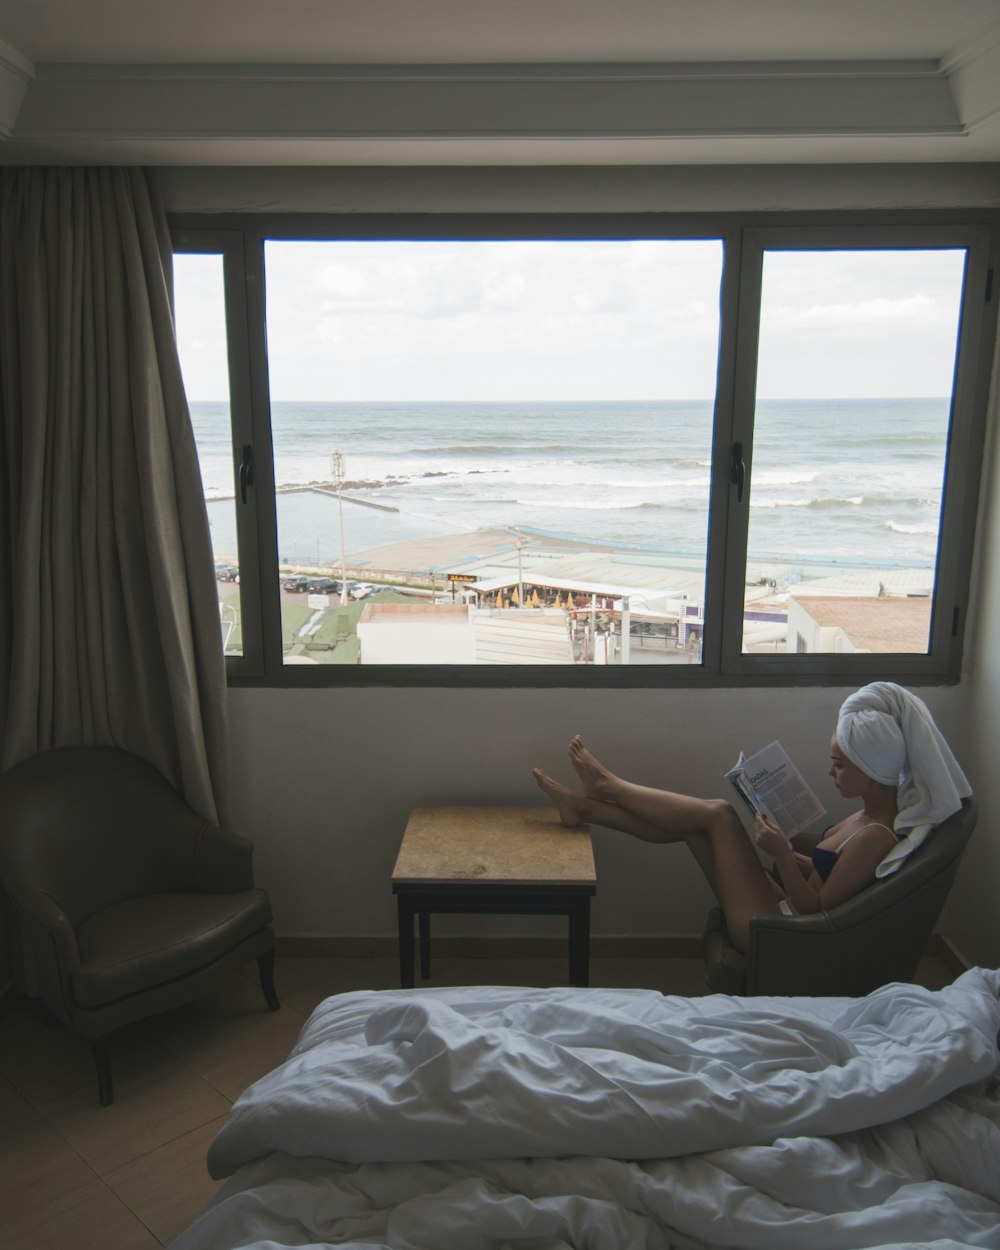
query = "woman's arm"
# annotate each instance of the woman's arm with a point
(802, 891)
(854, 869)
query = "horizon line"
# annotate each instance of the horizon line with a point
(656, 399)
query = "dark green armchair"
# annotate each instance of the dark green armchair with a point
(872, 939)
(130, 902)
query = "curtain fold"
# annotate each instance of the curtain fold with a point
(109, 620)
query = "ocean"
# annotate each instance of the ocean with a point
(856, 478)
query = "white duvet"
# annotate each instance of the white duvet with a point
(616, 1120)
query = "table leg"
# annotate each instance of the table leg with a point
(424, 926)
(579, 944)
(405, 912)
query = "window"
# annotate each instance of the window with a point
(855, 371)
(519, 430)
(629, 452)
(200, 315)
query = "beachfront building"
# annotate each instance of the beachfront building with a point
(839, 624)
(554, 627)
(427, 633)
(578, 609)
(859, 610)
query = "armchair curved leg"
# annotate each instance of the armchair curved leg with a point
(266, 965)
(102, 1058)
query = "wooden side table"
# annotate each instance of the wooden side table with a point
(496, 860)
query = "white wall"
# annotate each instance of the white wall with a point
(970, 919)
(322, 780)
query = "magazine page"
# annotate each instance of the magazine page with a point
(769, 783)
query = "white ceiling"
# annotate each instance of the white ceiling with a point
(388, 31)
(500, 81)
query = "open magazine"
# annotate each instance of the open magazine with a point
(770, 785)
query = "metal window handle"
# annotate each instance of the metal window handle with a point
(738, 471)
(246, 471)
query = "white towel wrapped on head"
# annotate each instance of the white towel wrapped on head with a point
(890, 735)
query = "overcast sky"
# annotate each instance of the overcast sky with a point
(573, 320)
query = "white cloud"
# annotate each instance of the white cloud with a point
(526, 319)
(536, 319)
(880, 310)
(874, 323)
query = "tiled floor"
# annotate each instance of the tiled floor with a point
(129, 1176)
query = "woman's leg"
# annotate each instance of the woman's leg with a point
(674, 816)
(710, 828)
(738, 878)
(576, 809)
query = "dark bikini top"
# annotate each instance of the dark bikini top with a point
(825, 861)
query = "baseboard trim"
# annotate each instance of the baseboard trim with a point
(351, 946)
(304, 946)
(939, 947)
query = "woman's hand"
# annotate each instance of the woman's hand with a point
(770, 839)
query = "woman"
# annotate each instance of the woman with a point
(887, 752)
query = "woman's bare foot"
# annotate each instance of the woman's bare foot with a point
(594, 777)
(568, 805)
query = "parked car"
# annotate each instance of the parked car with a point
(297, 582)
(227, 573)
(360, 590)
(323, 586)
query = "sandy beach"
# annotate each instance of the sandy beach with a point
(419, 555)
(422, 555)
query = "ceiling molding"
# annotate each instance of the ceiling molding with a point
(524, 71)
(15, 61)
(130, 103)
(972, 49)
(15, 72)
(974, 74)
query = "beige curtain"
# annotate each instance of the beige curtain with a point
(109, 622)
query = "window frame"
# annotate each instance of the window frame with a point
(745, 238)
(247, 431)
(962, 467)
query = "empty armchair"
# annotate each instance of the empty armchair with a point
(130, 902)
(872, 939)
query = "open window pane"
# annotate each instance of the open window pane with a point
(200, 315)
(855, 373)
(492, 451)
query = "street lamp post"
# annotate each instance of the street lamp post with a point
(337, 473)
(626, 630)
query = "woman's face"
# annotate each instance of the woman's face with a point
(847, 777)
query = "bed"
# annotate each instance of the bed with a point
(480, 1118)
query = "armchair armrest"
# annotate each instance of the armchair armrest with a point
(41, 910)
(54, 951)
(763, 928)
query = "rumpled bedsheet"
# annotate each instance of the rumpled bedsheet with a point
(621, 1119)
